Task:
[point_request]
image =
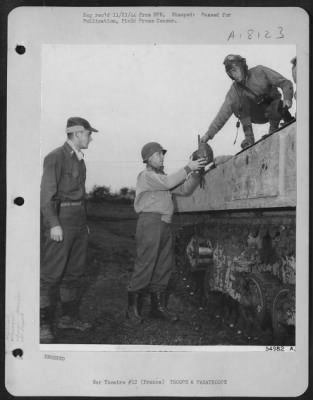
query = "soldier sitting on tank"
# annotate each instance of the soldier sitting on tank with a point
(253, 98)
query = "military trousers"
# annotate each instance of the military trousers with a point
(154, 254)
(63, 263)
(272, 112)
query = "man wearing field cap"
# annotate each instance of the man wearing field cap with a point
(64, 229)
(154, 242)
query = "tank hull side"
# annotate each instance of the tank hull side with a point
(249, 242)
(262, 176)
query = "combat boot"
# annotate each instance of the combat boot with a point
(133, 314)
(249, 137)
(274, 125)
(287, 117)
(159, 301)
(70, 320)
(46, 333)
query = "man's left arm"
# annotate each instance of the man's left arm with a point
(280, 81)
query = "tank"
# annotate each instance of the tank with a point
(236, 236)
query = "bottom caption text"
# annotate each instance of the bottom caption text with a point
(159, 382)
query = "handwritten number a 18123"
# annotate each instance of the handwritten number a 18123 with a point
(252, 34)
(281, 32)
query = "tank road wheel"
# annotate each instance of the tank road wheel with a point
(257, 293)
(193, 254)
(207, 284)
(213, 297)
(283, 316)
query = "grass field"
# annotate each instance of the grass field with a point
(111, 258)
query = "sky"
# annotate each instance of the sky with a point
(134, 94)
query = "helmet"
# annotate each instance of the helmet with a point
(294, 61)
(204, 151)
(232, 59)
(235, 59)
(149, 149)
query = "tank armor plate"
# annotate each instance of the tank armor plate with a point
(261, 176)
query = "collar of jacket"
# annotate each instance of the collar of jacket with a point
(71, 149)
(156, 170)
(247, 77)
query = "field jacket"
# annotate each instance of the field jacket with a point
(63, 180)
(261, 81)
(154, 191)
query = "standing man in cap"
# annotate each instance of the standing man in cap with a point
(65, 230)
(154, 242)
(253, 98)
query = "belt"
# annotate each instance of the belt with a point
(150, 213)
(71, 203)
(153, 214)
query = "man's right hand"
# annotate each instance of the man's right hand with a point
(56, 233)
(195, 165)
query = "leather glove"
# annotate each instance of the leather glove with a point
(249, 136)
(248, 141)
(287, 103)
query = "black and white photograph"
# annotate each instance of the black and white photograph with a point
(109, 241)
(164, 175)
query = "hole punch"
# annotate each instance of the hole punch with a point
(19, 201)
(17, 353)
(20, 49)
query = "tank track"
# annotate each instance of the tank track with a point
(254, 258)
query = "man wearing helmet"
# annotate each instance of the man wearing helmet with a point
(253, 98)
(154, 243)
